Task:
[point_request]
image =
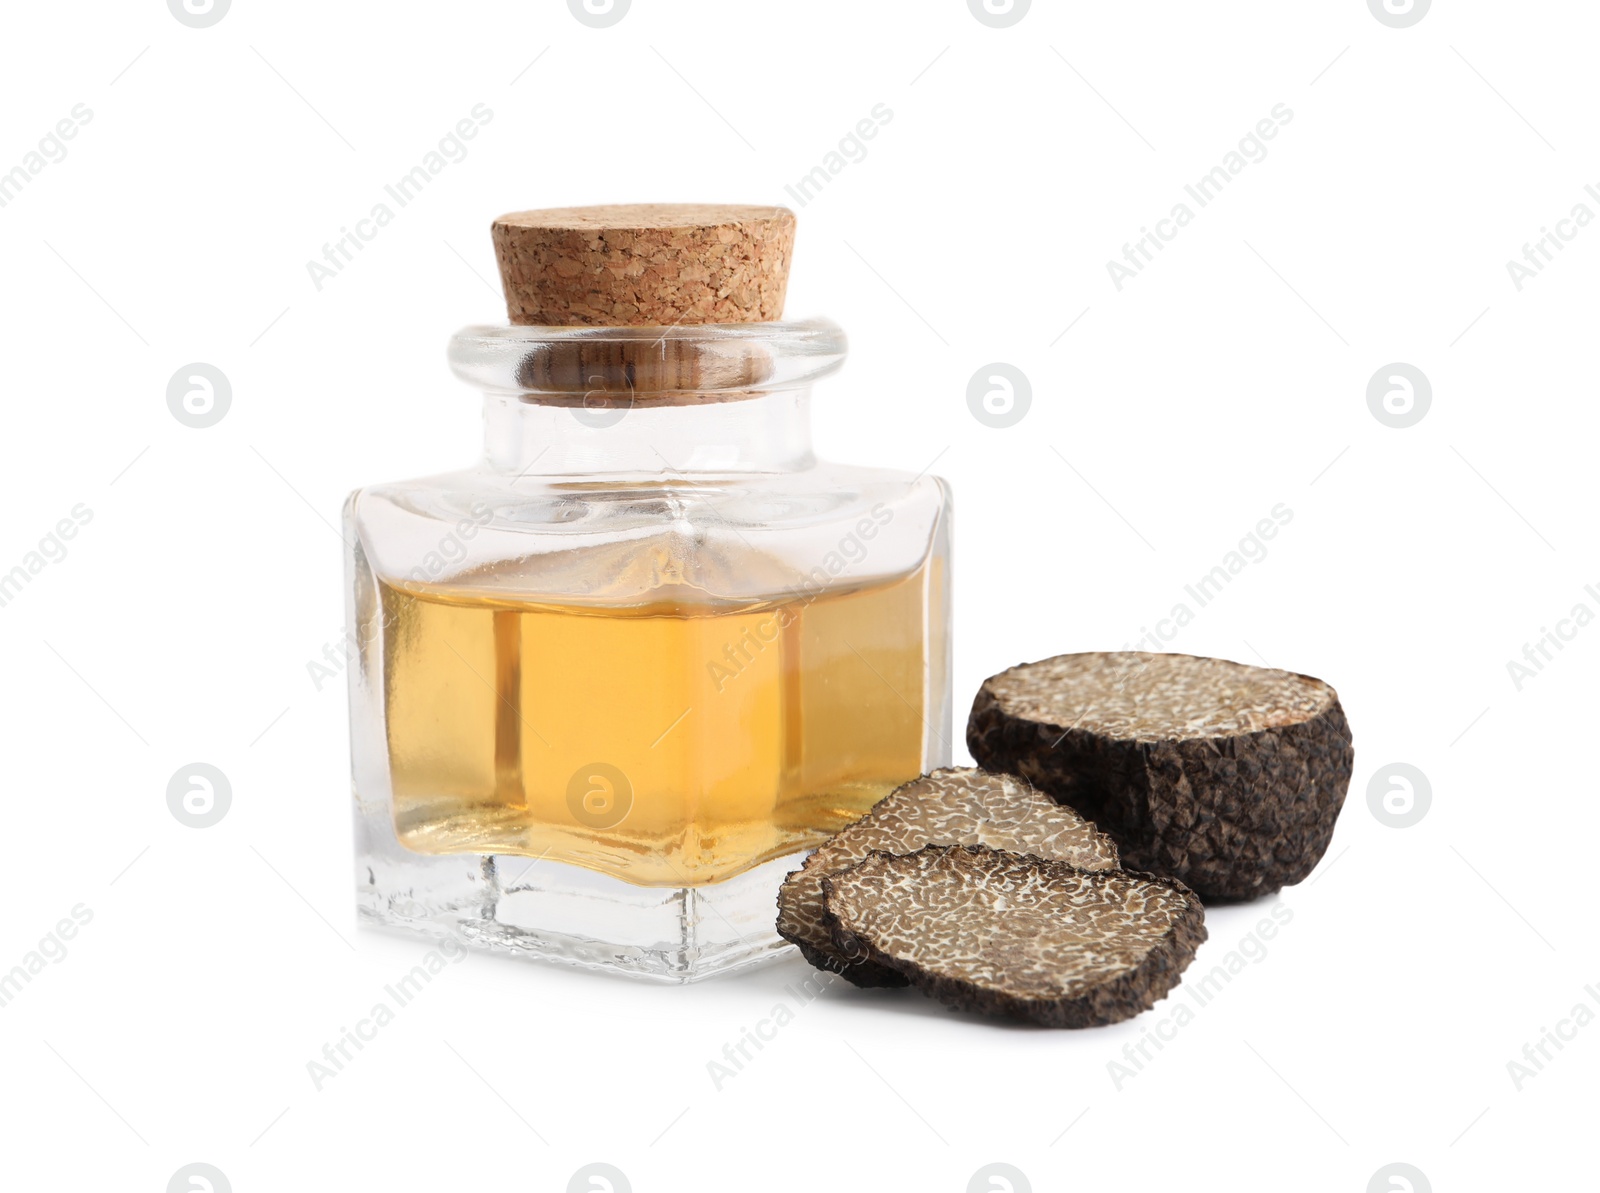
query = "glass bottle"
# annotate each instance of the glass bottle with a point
(616, 680)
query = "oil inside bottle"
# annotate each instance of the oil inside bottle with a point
(673, 741)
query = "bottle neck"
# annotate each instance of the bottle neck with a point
(767, 433)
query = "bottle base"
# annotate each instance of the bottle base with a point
(551, 911)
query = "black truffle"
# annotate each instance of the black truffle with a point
(952, 806)
(1226, 777)
(1008, 934)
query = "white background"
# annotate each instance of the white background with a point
(1229, 376)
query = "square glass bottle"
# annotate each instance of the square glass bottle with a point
(616, 680)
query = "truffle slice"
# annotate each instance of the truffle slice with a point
(1224, 776)
(1007, 934)
(951, 806)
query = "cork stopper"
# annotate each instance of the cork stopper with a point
(645, 264)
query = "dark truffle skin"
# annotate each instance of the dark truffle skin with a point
(1016, 936)
(1234, 814)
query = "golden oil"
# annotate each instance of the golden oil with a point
(675, 742)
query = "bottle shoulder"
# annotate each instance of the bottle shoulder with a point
(736, 535)
(581, 504)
